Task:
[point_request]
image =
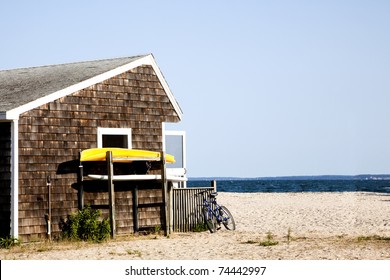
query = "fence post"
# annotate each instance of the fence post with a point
(111, 192)
(135, 209)
(170, 194)
(165, 194)
(48, 184)
(214, 185)
(80, 193)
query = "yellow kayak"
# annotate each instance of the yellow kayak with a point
(123, 155)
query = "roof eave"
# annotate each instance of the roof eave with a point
(165, 86)
(145, 60)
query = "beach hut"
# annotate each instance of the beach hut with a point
(49, 114)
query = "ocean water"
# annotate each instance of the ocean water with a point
(255, 185)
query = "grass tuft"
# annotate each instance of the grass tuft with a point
(372, 238)
(134, 252)
(200, 227)
(8, 242)
(269, 241)
(289, 237)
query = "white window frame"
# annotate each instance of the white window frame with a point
(113, 131)
(178, 171)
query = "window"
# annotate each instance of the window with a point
(175, 144)
(114, 138)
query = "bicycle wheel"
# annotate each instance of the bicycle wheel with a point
(227, 218)
(209, 219)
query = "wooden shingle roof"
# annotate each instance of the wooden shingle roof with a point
(26, 88)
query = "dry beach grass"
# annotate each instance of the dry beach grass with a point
(303, 226)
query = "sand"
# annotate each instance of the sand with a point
(306, 226)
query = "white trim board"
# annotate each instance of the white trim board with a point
(145, 177)
(14, 179)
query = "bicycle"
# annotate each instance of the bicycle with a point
(215, 214)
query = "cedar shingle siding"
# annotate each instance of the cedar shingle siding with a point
(52, 135)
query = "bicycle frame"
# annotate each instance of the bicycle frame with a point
(208, 203)
(215, 214)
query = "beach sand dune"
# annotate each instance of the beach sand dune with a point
(305, 226)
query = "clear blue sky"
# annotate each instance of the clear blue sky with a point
(268, 88)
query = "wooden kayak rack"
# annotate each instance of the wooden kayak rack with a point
(111, 177)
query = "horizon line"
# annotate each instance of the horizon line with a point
(291, 176)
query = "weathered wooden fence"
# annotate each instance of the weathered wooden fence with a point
(186, 210)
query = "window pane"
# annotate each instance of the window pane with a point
(174, 146)
(115, 141)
